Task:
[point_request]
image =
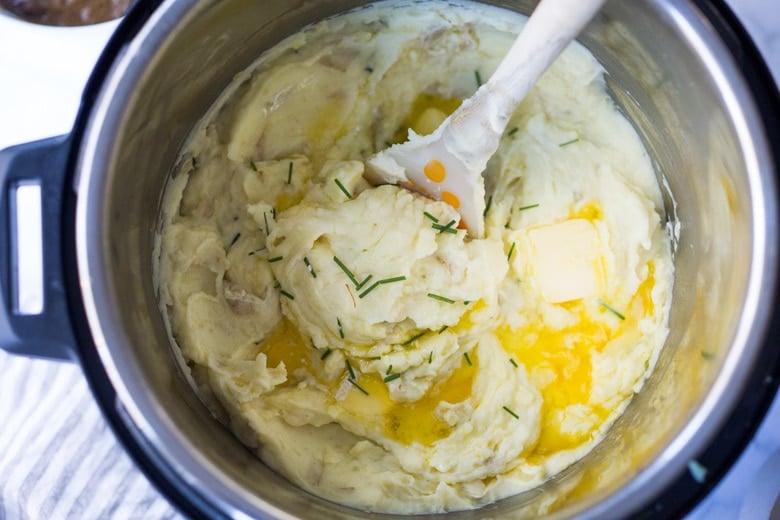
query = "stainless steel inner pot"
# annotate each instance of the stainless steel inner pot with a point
(668, 70)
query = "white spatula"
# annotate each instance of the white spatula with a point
(448, 164)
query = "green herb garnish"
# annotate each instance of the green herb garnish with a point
(392, 377)
(389, 369)
(511, 250)
(289, 173)
(346, 270)
(341, 331)
(430, 357)
(364, 282)
(510, 412)
(235, 239)
(327, 353)
(275, 259)
(567, 143)
(354, 383)
(381, 282)
(440, 298)
(445, 229)
(343, 189)
(252, 165)
(487, 206)
(512, 131)
(443, 329)
(530, 206)
(349, 369)
(478, 78)
(413, 339)
(369, 69)
(285, 293)
(468, 359)
(434, 219)
(375, 358)
(265, 219)
(709, 356)
(612, 309)
(309, 267)
(514, 363)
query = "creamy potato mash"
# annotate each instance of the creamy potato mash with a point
(359, 339)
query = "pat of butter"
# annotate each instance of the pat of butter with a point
(567, 260)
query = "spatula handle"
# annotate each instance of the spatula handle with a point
(551, 27)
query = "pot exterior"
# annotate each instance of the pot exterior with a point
(669, 69)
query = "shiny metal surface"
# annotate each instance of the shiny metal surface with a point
(669, 72)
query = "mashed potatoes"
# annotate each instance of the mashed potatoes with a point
(359, 339)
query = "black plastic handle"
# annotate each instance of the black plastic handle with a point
(44, 331)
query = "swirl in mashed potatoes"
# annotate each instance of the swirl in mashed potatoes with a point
(359, 339)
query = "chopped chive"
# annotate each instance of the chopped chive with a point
(392, 377)
(327, 353)
(375, 358)
(468, 359)
(265, 218)
(342, 188)
(709, 356)
(430, 357)
(289, 173)
(371, 288)
(275, 259)
(530, 206)
(309, 267)
(349, 369)
(443, 329)
(466, 302)
(445, 229)
(512, 132)
(341, 330)
(478, 78)
(346, 270)
(235, 239)
(354, 383)
(392, 280)
(434, 219)
(514, 363)
(273, 213)
(567, 143)
(369, 69)
(389, 369)
(511, 250)
(364, 282)
(252, 165)
(612, 309)
(440, 298)
(381, 282)
(253, 253)
(413, 339)
(487, 206)
(285, 293)
(510, 412)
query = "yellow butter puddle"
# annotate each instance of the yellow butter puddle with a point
(561, 358)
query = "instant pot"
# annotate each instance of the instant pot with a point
(683, 71)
